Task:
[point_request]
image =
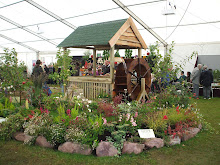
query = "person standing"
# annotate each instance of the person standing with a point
(195, 79)
(206, 80)
(188, 76)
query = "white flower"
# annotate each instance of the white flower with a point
(78, 97)
(87, 106)
(89, 110)
(128, 104)
(89, 101)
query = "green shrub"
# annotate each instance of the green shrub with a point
(13, 124)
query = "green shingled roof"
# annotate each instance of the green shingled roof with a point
(94, 34)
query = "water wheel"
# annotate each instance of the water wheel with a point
(128, 76)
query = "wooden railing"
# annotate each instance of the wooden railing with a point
(92, 86)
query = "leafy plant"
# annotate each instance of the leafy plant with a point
(13, 124)
(128, 53)
(105, 55)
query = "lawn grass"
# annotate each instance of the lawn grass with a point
(203, 149)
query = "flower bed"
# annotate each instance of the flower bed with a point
(107, 127)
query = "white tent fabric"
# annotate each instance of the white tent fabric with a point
(194, 21)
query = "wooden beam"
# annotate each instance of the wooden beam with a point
(112, 66)
(129, 39)
(137, 33)
(94, 62)
(131, 44)
(115, 38)
(139, 53)
(128, 34)
(99, 79)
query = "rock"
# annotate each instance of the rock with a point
(129, 148)
(154, 142)
(67, 147)
(106, 149)
(200, 126)
(70, 147)
(19, 136)
(189, 133)
(42, 141)
(175, 140)
(82, 149)
(27, 139)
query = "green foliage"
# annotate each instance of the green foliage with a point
(12, 73)
(128, 53)
(64, 62)
(7, 108)
(87, 53)
(216, 75)
(117, 53)
(154, 120)
(105, 55)
(13, 124)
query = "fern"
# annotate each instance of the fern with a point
(74, 112)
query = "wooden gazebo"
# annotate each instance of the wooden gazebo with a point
(119, 34)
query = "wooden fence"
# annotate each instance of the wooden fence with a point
(92, 86)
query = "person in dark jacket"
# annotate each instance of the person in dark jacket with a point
(37, 69)
(206, 80)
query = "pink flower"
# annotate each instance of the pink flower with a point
(46, 111)
(32, 112)
(194, 94)
(134, 124)
(165, 117)
(25, 118)
(77, 118)
(41, 109)
(128, 116)
(68, 111)
(105, 121)
(136, 114)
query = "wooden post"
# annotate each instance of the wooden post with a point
(139, 53)
(94, 62)
(112, 66)
(143, 92)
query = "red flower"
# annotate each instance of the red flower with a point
(30, 116)
(165, 117)
(115, 63)
(77, 118)
(197, 98)
(41, 110)
(91, 56)
(32, 112)
(190, 97)
(194, 94)
(174, 134)
(25, 118)
(165, 132)
(148, 53)
(177, 108)
(68, 111)
(23, 82)
(178, 111)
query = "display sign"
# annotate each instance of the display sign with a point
(146, 133)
